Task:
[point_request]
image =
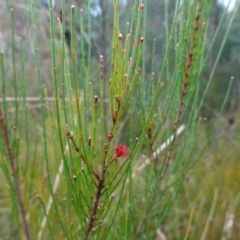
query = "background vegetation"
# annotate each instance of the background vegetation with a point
(174, 71)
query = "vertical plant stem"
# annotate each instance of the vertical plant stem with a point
(75, 80)
(43, 110)
(102, 105)
(55, 75)
(100, 187)
(24, 104)
(3, 83)
(14, 174)
(189, 225)
(14, 66)
(210, 216)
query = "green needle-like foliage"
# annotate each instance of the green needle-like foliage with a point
(104, 150)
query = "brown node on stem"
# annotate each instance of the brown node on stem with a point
(196, 27)
(105, 147)
(95, 99)
(110, 136)
(175, 125)
(149, 133)
(185, 84)
(184, 92)
(116, 114)
(117, 100)
(189, 64)
(68, 132)
(190, 54)
(114, 118)
(126, 77)
(197, 17)
(141, 7)
(120, 36)
(96, 175)
(71, 137)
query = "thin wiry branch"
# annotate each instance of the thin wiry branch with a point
(11, 161)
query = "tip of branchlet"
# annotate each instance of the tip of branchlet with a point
(120, 36)
(96, 99)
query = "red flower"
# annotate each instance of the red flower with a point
(121, 150)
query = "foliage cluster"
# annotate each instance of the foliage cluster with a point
(114, 123)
